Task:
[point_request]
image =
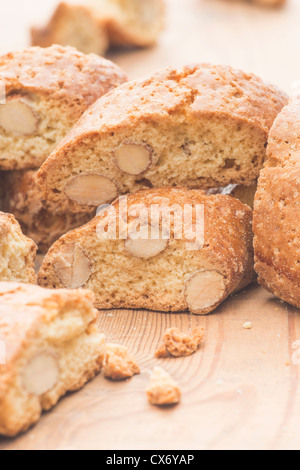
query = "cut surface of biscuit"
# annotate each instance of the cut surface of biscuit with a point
(17, 252)
(47, 91)
(200, 127)
(126, 268)
(52, 346)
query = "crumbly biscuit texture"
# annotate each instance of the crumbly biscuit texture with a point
(277, 204)
(52, 346)
(130, 260)
(177, 343)
(163, 390)
(42, 221)
(119, 363)
(17, 252)
(202, 126)
(47, 91)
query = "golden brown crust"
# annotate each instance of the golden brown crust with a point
(196, 92)
(227, 250)
(41, 220)
(18, 252)
(33, 321)
(48, 90)
(284, 139)
(62, 74)
(277, 209)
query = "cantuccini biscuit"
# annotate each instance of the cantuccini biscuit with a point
(17, 252)
(201, 127)
(47, 91)
(92, 27)
(180, 251)
(52, 346)
(73, 25)
(277, 209)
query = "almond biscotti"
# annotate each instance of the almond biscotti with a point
(277, 209)
(47, 91)
(52, 347)
(17, 252)
(73, 25)
(166, 250)
(201, 127)
(96, 24)
(40, 220)
(131, 22)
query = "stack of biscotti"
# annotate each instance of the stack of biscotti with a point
(94, 26)
(199, 127)
(47, 91)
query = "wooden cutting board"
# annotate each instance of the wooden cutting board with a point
(241, 390)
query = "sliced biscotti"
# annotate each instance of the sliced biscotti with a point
(131, 22)
(277, 209)
(42, 221)
(17, 252)
(52, 346)
(96, 24)
(47, 91)
(166, 249)
(201, 127)
(73, 25)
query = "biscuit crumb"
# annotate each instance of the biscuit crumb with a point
(119, 364)
(163, 390)
(248, 325)
(177, 343)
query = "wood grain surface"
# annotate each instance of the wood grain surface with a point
(241, 390)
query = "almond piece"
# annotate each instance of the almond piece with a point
(133, 159)
(72, 267)
(17, 116)
(91, 190)
(41, 374)
(204, 291)
(145, 249)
